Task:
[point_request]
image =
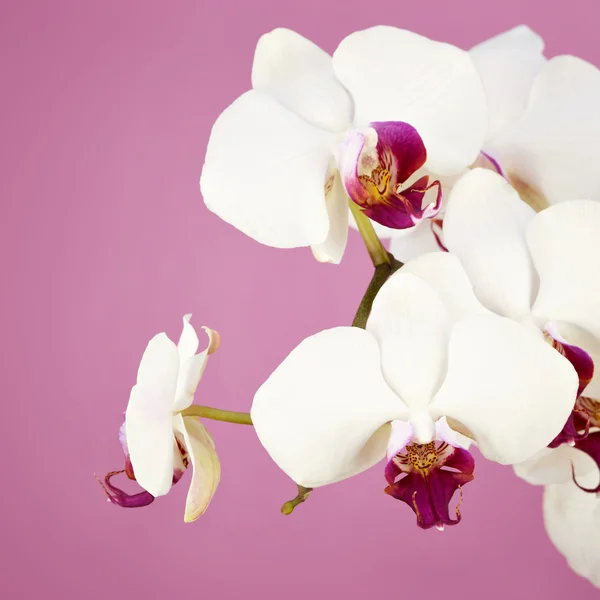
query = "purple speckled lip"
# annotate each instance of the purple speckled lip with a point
(422, 478)
(378, 191)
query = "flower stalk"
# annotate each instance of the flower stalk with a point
(378, 254)
(216, 414)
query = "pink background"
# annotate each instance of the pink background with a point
(106, 111)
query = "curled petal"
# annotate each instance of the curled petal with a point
(120, 498)
(323, 414)
(205, 465)
(591, 446)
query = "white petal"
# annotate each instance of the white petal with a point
(322, 415)
(300, 76)
(555, 465)
(188, 340)
(414, 242)
(445, 274)
(411, 325)
(205, 464)
(332, 249)
(572, 519)
(148, 416)
(484, 225)
(265, 172)
(555, 145)
(397, 75)
(507, 65)
(510, 388)
(191, 367)
(150, 439)
(564, 241)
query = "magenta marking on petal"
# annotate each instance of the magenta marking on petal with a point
(437, 229)
(428, 485)
(494, 163)
(119, 497)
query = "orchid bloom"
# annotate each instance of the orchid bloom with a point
(542, 128)
(379, 121)
(572, 519)
(157, 440)
(430, 366)
(537, 269)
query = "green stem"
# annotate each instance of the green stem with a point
(381, 275)
(195, 410)
(290, 505)
(377, 252)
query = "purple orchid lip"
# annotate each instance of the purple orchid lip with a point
(426, 478)
(119, 497)
(373, 177)
(577, 426)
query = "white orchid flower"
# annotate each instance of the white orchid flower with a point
(539, 270)
(378, 122)
(542, 128)
(158, 442)
(346, 397)
(572, 519)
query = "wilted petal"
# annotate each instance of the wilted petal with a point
(397, 75)
(510, 388)
(565, 246)
(299, 75)
(205, 465)
(148, 417)
(265, 172)
(320, 415)
(572, 519)
(119, 497)
(484, 225)
(553, 147)
(507, 65)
